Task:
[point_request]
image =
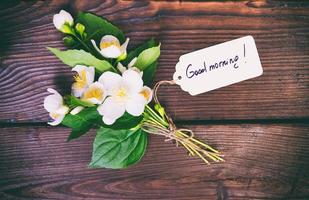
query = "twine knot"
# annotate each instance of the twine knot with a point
(170, 131)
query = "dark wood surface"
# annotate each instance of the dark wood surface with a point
(261, 125)
(262, 161)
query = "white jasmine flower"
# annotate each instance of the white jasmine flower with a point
(146, 92)
(124, 94)
(95, 93)
(54, 105)
(131, 64)
(110, 47)
(63, 21)
(83, 79)
(76, 110)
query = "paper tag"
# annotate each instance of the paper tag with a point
(218, 66)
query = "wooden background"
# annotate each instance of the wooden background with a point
(261, 124)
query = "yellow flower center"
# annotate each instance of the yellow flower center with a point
(145, 94)
(80, 79)
(120, 95)
(122, 92)
(94, 92)
(109, 43)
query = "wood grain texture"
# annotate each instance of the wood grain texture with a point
(281, 31)
(262, 162)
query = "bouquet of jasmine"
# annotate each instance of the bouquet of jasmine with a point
(111, 93)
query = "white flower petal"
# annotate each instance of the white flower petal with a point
(133, 81)
(108, 39)
(77, 92)
(137, 70)
(67, 17)
(61, 18)
(95, 93)
(57, 121)
(111, 52)
(110, 80)
(110, 47)
(123, 47)
(95, 46)
(53, 102)
(84, 79)
(76, 110)
(110, 109)
(94, 101)
(90, 75)
(132, 62)
(90, 72)
(78, 68)
(62, 110)
(108, 121)
(51, 90)
(58, 21)
(147, 93)
(121, 68)
(54, 105)
(135, 105)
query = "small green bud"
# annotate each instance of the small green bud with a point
(80, 29)
(68, 41)
(159, 109)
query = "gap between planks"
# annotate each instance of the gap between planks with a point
(189, 122)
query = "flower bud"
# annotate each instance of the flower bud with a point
(63, 21)
(80, 29)
(68, 41)
(159, 109)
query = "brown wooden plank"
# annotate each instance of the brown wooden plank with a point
(262, 162)
(281, 30)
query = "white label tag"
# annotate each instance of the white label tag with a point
(218, 66)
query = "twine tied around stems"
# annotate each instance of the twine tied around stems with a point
(162, 124)
(171, 130)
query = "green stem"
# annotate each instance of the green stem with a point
(90, 51)
(81, 42)
(148, 117)
(152, 113)
(194, 146)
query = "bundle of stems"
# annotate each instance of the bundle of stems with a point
(161, 124)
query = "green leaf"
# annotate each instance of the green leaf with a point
(72, 101)
(118, 148)
(96, 27)
(82, 122)
(134, 53)
(147, 57)
(81, 57)
(149, 73)
(78, 126)
(126, 121)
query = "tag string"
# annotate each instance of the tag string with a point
(159, 123)
(172, 129)
(156, 88)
